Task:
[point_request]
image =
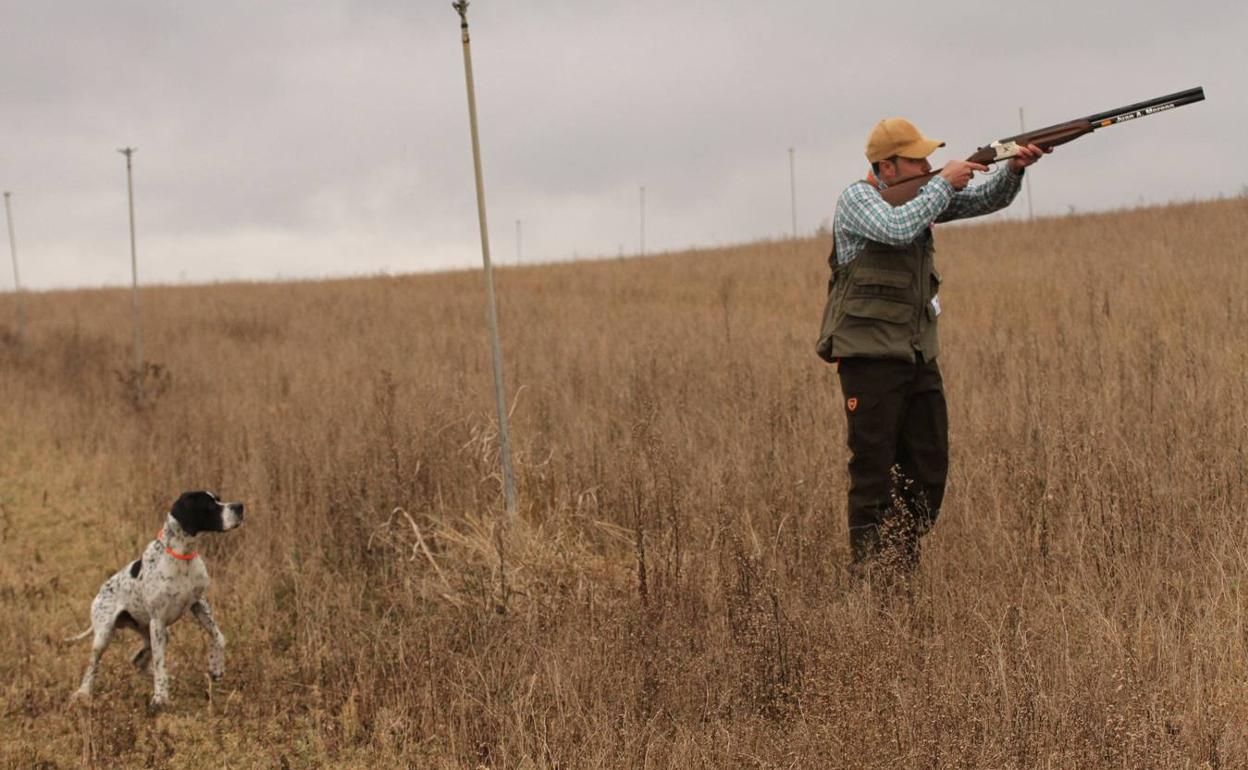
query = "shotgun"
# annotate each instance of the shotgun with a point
(1044, 138)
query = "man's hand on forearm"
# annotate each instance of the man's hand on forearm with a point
(1027, 155)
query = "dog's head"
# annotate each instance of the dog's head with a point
(199, 512)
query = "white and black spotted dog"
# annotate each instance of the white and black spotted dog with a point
(150, 594)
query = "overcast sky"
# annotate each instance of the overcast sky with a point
(309, 138)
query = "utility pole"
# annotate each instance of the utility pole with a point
(134, 272)
(17, 281)
(643, 221)
(793, 192)
(504, 445)
(1022, 128)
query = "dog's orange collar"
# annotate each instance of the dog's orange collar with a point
(160, 538)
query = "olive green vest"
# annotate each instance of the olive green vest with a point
(880, 304)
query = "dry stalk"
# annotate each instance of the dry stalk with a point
(418, 547)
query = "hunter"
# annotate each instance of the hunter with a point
(880, 329)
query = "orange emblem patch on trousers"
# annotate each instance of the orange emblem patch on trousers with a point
(851, 404)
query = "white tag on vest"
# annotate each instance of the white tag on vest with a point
(936, 304)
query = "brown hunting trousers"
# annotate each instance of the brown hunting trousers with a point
(899, 455)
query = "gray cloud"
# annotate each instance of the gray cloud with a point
(321, 137)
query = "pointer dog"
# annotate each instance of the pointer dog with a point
(151, 593)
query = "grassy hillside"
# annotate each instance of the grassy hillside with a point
(673, 591)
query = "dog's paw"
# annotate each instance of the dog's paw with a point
(80, 697)
(216, 664)
(157, 706)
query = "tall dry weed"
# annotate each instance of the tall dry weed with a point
(672, 592)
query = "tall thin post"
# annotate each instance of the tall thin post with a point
(643, 221)
(793, 191)
(17, 281)
(504, 445)
(1022, 128)
(134, 271)
(517, 241)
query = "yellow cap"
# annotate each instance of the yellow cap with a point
(898, 136)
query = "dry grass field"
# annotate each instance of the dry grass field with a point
(673, 592)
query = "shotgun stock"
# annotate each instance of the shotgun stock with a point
(1049, 137)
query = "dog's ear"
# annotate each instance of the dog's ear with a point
(197, 512)
(183, 513)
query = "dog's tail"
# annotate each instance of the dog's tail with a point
(78, 637)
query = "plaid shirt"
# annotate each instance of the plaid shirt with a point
(862, 215)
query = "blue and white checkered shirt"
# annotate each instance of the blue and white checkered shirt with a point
(862, 215)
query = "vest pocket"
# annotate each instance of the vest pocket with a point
(874, 276)
(879, 309)
(874, 282)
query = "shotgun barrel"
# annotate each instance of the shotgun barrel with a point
(1051, 136)
(1150, 107)
(1114, 116)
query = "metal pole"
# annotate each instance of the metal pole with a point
(17, 281)
(504, 445)
(1022, 128)
(793, 192)
(134, 274)
(643, 221)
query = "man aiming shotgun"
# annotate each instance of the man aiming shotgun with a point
(879, 324)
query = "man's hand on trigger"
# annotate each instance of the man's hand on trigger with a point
(959, 172)
(1027, 155)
